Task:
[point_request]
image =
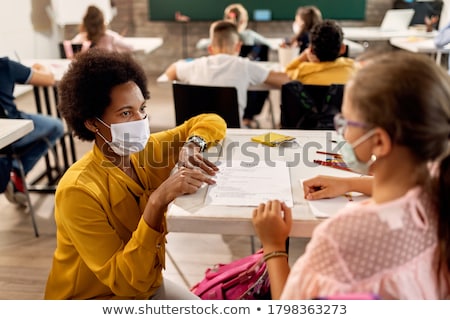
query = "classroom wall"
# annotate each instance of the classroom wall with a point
(173, 32)
(26, 30)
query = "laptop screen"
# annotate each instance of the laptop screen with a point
(397, 19)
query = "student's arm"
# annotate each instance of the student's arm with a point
(171, 72)
(277, 79)
(119, 42)
(272, 222)
(261, 40)
(41, 76)
(443, 36)
(79, 38)
(321, 187)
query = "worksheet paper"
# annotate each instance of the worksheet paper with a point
(244, 183)
(325, 208)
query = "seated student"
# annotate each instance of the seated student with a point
(12, 72)
(320, 63)
(224, 67)
(396, 245)
(94, 31)
(110, 205)
(305, 18)
(237, 14)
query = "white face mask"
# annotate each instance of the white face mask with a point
(350, 158)
(295, 28)
(127, 137)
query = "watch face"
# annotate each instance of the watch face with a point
(199, 142)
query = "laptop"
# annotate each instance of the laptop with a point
(397, 20)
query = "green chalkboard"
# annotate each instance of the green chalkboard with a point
(209, 10)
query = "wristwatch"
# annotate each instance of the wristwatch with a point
(199, 141)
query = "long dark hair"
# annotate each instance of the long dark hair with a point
(94, 24)
(310, 15)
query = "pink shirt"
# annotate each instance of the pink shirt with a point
(111, 41)
(389, 249)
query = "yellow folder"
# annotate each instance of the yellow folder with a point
(272, 139)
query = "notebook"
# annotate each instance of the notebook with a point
(397, 20)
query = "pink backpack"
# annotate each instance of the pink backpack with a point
(242, 279)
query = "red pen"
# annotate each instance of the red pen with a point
(331, 164)
(336, 155)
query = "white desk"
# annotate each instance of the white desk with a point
(375, 34)
(146, 44)
(274, 43)
(354, 49)
(420, 45)
(12, 130)
(57, 66)
(190, 214)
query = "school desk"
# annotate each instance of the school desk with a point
(12, 130)
(190, 213)
(146, 44)
(274, 43)
(354, 48)
(420, 45)
(376, 34)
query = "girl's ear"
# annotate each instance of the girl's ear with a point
(382, 143)
(90, 125)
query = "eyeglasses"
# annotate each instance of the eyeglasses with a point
(340, 124)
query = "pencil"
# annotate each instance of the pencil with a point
(336, 155)
(331, 164)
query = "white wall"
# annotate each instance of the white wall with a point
(17, 33)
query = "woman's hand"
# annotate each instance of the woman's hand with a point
(272, 222)
(183, 181)
(191, 157)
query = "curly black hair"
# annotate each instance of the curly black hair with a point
(85, 89)
(326, 38)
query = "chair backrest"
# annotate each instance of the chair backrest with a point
(259, 52)
(67, 49)
(310, 107)
(3, 114)
(191, 100)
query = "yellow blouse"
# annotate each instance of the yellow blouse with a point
(104, 248)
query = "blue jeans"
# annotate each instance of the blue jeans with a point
(44, 127)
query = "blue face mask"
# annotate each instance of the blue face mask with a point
(350, 158)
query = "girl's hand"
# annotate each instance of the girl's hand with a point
(272, 222)
(321, 187)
